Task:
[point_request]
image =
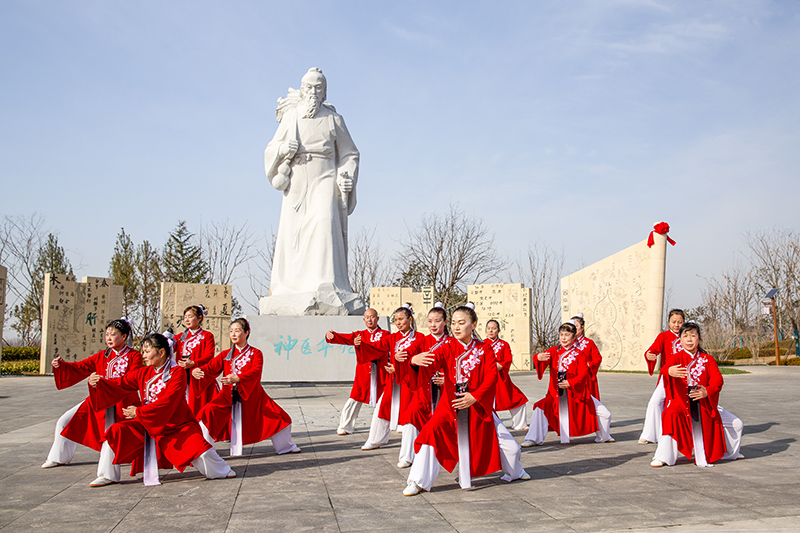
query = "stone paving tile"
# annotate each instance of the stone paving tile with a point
(253, 521)
(334, 486)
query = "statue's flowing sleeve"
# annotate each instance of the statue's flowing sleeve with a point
(347, 157)
(284, 133)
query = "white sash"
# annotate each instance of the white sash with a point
(373, 383)
(150, 462)
(462, 432)
(563, 417)
(236, 426)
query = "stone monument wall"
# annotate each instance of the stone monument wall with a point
(75, 315)
(510, 305)
(622, 301)
(217, 300)
(295, 349)
(385, 300)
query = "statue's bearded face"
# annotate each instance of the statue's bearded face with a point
(312, 91)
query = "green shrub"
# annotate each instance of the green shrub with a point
(18, 367)
(20, 353)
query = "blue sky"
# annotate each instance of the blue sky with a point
(574, 124)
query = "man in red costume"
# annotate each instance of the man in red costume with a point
(368, 382)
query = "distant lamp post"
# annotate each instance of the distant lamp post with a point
(771, 295)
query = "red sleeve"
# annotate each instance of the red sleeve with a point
(419, 376)
(506, 357)
(579, 382)
(251, 377)
(485, 392)
(135, 360)
(155, 416)
(68, 374)
(206, 349)
(657, 348)
(714, 386)
(110, 391)
(345, 338)
(594, 359)
(212, 369)
(541, 366)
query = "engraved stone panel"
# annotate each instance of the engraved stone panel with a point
(175, 297)
(386, 299)
(510, 305)
(622, 301)
(75, 315)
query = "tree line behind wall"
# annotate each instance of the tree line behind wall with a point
(447, 250)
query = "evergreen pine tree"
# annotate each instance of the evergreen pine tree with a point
(50, 258)
(183, 259)
(122, 270)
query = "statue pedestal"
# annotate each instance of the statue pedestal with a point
(295, 349)
(319, 303)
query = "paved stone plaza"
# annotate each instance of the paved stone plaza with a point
(334, 486)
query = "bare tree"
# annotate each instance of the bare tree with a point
(775, 257)
(732, 303)
(21, 238)
(226, 247)
(541, 270)
(366, 264)
(452, 250)
(259, 270)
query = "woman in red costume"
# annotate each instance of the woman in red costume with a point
(693, 421)
(667, 343)
(568, 408)
(420, 407)
(464, 429)
(162, 432)
(195, 347)
(86, 423)
(242, 411)
(399, 405)
(509, 397)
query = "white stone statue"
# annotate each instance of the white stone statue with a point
(313, 160)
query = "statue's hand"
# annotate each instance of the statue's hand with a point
(288, 149)
(345, 183)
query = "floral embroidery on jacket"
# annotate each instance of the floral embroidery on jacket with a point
(567, 359)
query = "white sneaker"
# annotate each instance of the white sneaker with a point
(524, 477)
(51, 464)
(655, 463)
(527, 444)
(101, 482)
(412, 489)
(740, 456)
(231, 474)
(342, 432)
(610, 439)
(368, 447)
(403, 464)
(644, 441)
